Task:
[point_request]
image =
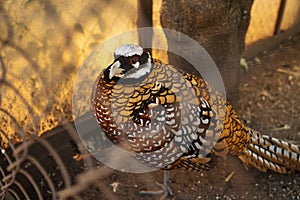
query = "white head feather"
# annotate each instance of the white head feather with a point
(128, 50)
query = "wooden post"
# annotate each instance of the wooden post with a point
(145, 20)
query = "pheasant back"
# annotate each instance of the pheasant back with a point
(161, 117)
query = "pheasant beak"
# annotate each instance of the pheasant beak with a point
(136, 65)
(115, 70)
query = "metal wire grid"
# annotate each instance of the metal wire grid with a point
(50, 167)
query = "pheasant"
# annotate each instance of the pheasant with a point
(171, 119)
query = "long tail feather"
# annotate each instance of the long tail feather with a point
(269, 153)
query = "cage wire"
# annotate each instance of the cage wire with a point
(43, 43)
(45, 167)
(41, 49)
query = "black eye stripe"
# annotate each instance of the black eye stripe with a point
(144, 58)
(128, 62)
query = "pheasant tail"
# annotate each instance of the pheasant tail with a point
(262, 151)
(269, 153)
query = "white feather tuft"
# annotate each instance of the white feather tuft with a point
(115, 69)
(128, 50)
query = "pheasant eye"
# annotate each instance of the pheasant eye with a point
(134, 59)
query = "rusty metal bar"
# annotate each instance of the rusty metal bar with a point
(44, 173)
(32, 182)
(24, 192)
(279, 17)
(58, 161)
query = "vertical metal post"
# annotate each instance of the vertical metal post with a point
(279, 17)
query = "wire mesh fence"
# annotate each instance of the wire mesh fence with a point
(50, 167)
(42, 46)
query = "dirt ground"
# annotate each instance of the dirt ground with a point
(269, 102)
